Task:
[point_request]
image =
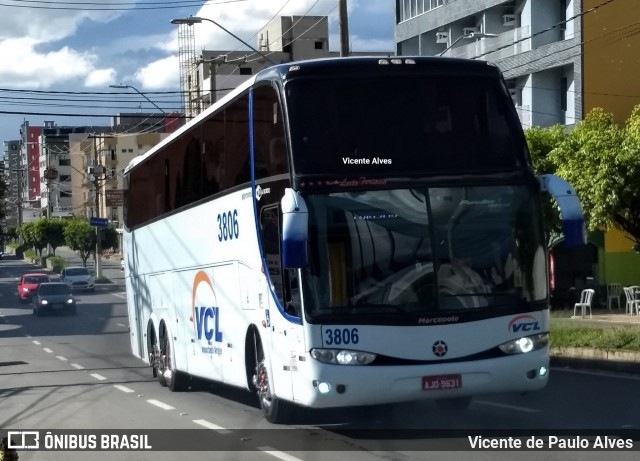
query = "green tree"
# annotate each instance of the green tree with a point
(31, 233)
(601, 160)
(80, 236)
(109, 238)
(541, 142)
(53, 231)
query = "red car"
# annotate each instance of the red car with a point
(29, 285)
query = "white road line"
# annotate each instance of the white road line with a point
(37, 343)
(59, 357)
(47, 350)
(159, 404)
(121, 324)
(79, 367)
(279, 454)
(508, 407)
(123, 388)
(208, 425)
(97, 376)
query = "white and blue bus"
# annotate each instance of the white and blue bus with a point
(346, 232)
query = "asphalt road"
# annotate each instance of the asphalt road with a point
(77, 373)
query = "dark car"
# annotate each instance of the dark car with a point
(53, 297)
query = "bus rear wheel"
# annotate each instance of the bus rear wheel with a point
(168, 375)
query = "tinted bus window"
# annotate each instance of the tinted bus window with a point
(402, 124)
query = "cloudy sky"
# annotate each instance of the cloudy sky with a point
(59, 56)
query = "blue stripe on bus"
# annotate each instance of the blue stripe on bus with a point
(290, 318)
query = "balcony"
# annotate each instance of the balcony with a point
(510, 43)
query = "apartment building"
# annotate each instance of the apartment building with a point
(536, 43)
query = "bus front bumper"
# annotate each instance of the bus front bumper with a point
(339, 385)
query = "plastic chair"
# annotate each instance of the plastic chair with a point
(614, 292)
(632, 294)
(628, 294)
(585, 302)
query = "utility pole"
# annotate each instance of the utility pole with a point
(344, 28)
(97, 171)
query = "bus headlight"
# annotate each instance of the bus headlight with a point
(525, 344)
(342, 356)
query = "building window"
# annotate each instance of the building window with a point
(318, 45)
(563, 93)
(65, 162)
(245, 71)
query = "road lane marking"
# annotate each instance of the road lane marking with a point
(121, 324)
(508, 407)
(97, 376)
(59, 357)
(159, 404)
(123, 388)
(37, 343)
(214, 427)
(278, 454)
(79, 367)
(47, 350)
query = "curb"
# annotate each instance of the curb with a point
(596, 359)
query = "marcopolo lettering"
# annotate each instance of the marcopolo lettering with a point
(208, 323)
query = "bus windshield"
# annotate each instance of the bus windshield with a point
(414, 124)
(423, 251)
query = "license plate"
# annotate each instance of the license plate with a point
(441, 382)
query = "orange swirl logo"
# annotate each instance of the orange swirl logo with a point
(207, 317)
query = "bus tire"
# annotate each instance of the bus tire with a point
(454, 404)
(164, 367)
(275, 410)
(175, 380)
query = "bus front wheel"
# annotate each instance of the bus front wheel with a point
(274, 410)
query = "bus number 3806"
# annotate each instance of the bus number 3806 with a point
(228, 227)
(338, 336)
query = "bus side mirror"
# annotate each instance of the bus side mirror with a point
(570, 209)
(295, 230)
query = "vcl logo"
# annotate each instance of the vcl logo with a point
(524, 323)
(205, 313)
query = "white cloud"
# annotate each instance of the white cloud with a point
(100, 78)
(30, 69)
(160, 74)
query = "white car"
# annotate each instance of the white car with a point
(78, 278)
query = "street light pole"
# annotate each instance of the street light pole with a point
(122, 87)
(191, 20)
(471, 35)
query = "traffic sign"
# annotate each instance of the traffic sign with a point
(99, 222)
